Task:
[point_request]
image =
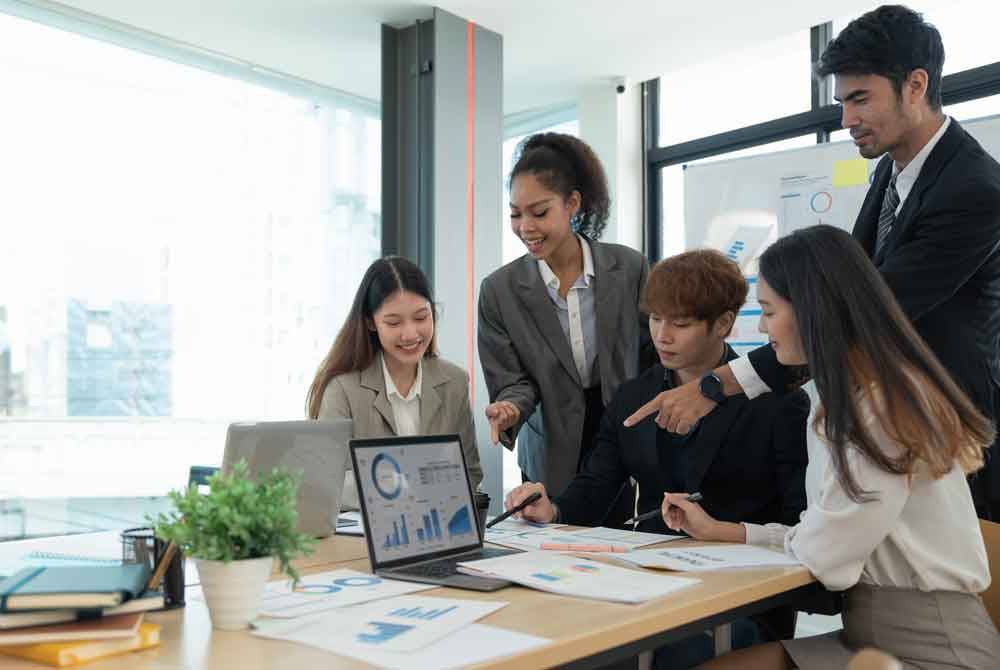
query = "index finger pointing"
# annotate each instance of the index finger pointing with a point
(644, 411)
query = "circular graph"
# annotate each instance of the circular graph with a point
(357, 581)
(316, 589)
(387, 476)
(821, 202)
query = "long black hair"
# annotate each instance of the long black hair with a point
(564, 164)
(857, 339)
(356, 344)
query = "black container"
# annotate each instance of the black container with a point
(140, 545)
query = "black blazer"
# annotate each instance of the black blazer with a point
(748, 459)
(942, 262)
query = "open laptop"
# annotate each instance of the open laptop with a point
(316, 449)
(419, 513)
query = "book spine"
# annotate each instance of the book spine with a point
(12, 588)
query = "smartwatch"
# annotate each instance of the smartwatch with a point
(711, 387)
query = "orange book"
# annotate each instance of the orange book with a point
(65, 654)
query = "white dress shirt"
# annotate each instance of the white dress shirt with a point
(405, 409)
(907, 177)
(917, 532)
(576, 313)
(747, 377)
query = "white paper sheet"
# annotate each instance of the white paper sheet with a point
(704, 558)
(571, 575)
(476, 643)
(516, 526)
(350, 523)
(532, 540)
(628, 539)
(399, 624)
(330, 590)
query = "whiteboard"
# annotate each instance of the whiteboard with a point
(758, 192)
(739, 206)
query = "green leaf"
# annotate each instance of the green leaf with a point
(238, 518)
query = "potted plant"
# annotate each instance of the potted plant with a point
(234, 533)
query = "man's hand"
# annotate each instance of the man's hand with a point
(679, 409)
(502, 415)
(541, 511)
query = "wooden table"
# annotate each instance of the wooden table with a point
(584, 633)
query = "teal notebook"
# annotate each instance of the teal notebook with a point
(72, 587)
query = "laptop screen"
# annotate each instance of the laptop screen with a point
(416, 496)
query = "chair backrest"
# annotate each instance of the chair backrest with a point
(991, 596)
(872, 659)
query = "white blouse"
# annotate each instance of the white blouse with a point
(917, 532)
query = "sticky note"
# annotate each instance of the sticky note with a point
(853, 172)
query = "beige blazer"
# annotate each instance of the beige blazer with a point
(444, 409)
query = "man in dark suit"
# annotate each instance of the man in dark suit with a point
(930, 221)
(747, 457)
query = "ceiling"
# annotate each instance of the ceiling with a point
(552, 49)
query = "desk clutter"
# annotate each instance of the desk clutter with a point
(67, 614)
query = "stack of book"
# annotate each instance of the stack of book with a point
(68, 615)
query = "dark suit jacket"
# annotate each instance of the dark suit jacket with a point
(942, 262)
(527, 359)
(748, 459)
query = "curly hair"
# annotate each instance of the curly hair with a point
(701, 284)
(891, 41)
(564, 164)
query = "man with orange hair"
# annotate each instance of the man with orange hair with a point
(747, 458)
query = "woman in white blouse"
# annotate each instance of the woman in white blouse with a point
(890, 519)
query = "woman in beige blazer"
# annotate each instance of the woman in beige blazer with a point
(383, 371)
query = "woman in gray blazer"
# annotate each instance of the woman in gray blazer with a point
(559, 328)
(383, 371)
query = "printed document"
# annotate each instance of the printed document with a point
(711, 557)
(570, 575)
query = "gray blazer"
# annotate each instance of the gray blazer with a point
(444, 409)
(527, 359)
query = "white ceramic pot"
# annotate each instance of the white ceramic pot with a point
(232, 590)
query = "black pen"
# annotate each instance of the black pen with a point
(515, 509)
(694, 497)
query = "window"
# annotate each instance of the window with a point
(698, 100)
(179, 250)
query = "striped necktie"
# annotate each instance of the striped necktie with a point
(887, 215)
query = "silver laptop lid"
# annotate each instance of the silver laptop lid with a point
(416, 498)
(315, 449)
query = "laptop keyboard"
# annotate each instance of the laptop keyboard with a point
(448, 566)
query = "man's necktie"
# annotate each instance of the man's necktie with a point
(887, 215)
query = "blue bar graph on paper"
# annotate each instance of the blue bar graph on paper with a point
(437, 523)
(406, 535)
(419, 613)
(383, 632)
(420, 534)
